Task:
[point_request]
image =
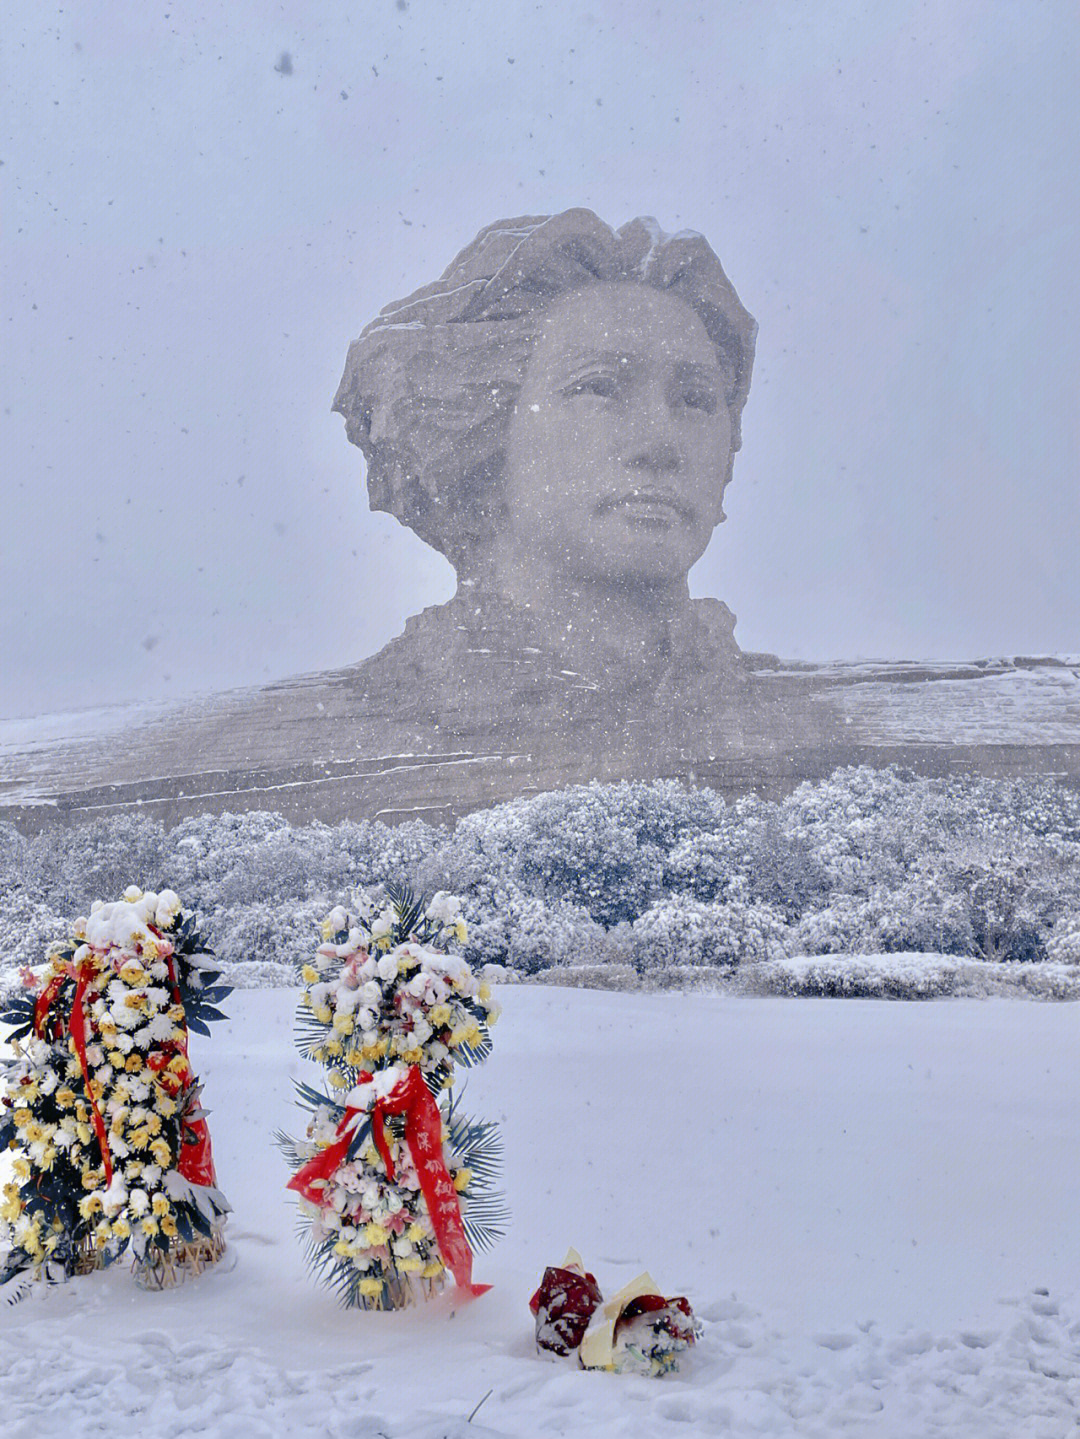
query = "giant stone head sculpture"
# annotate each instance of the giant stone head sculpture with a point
(566, 396)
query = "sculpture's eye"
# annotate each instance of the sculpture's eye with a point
(698, 399)
(604, 386)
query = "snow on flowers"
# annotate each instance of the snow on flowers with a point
(99, 1105)
(395, 1184)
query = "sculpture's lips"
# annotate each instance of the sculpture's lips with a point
(657, 506)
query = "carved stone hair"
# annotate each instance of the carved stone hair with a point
(430, 385)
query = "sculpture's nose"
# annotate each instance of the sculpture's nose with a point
(654, 446)
(659, 456)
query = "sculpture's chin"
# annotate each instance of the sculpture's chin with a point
(647, 546)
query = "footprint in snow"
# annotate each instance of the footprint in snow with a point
(834, 1341)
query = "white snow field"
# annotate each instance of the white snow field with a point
(872, 1206)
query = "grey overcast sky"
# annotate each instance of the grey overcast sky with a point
(204, 203)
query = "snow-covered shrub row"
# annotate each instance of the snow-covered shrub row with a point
(907, 976)
(656, 878)
(259, 886)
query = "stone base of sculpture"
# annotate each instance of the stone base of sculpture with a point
(379, 741)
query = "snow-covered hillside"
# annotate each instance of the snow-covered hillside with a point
(870, 1205)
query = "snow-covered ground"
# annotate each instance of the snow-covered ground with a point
(871, 1205)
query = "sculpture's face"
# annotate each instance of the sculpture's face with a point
(620, 444)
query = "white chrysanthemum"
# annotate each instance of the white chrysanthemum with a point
(160, 1028)
(383, 924)
(132, 894)
(115, 1197)
(387, 967)
(346, 999)
(139, 1201)
(421, 1030)
(168, 907)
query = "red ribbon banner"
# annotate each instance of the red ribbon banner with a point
(195, 1161)
(76, 1028)
(423, 1134)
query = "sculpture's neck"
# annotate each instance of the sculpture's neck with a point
(577, 618)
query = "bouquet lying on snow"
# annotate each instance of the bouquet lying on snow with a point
(99, 1105)
(637, 1331)
(395, 1183)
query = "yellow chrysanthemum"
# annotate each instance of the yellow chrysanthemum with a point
(462, 1179)
(375, 1235)
(310, 974)
(370, 1287)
